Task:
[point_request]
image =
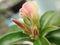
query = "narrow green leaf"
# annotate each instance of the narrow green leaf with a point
(54, 37)
(48, 18)
(37, 42)
(42, 41)
(27, 21)
(49, 29)
(56, 20)
(7, 39)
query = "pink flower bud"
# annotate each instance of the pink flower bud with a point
(29, 8)
(22, 25)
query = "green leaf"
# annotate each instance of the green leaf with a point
(46, 18)
(27, 21)
(11, 37)
(56, 19)
(54, 37)
(49, 29)
(37, 42)
(42, 41)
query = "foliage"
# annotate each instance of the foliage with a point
(34, 28)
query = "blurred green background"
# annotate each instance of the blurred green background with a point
(9, 9)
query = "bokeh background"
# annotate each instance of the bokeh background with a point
(10, 9)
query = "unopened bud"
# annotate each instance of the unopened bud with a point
(34, 32)
(25, 28)
(18, 23)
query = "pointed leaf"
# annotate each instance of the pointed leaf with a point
(54, 37)
(11, 37)
(41, 41)
(37, 42)
(49, 18)
(27, 21)
(56, 20)
(44, 41)
(49, 29)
